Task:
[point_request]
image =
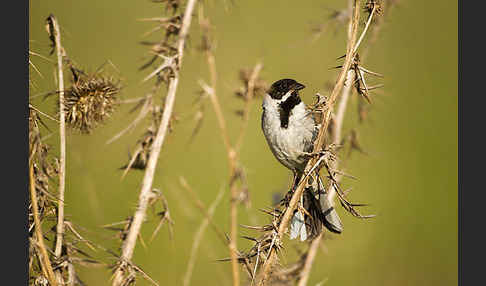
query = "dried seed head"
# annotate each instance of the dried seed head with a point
(374, 4)
(90, 100)
(41, 280)
(259, 85)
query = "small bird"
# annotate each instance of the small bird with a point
(290, 130)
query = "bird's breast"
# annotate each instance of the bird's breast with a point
(288, 143)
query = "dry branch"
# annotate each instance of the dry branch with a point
(337, 131)
(45, 262)
(54, 32)
(130, 241)
(232, 151)
(232, 155)
(338, 125)
(311, 254)
(318, 145)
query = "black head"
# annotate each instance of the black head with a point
(281, 87)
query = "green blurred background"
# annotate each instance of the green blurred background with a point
(409, 176)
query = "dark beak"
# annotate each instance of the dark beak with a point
(298, 86)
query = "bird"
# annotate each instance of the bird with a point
(290, 128)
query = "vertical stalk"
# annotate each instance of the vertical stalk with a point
(232, 158)
(44, 257)
(62, 136)
(311, 255)
(354, 20)
(232, 152)
(339, 119)
(129, 243)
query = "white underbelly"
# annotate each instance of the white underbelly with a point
(288, 144)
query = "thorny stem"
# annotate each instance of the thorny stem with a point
(346, 92)
(319, 142)
(129, 243)
(339, 120)
(343, 103)
(337, 136)
(232, 161)
(232, 152)
(234, 193)
(62, 135)
(232, 157)
(45, 262)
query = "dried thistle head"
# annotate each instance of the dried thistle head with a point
(374, 4)
(90, 100)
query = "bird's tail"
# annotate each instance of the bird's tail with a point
(316, 208)
(330, 217)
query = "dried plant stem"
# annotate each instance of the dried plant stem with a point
(129, 243)
(203, 210)
(368, 22)
(249, 97)
(376, 29)
(232, 245)
(232, 158)
(198, 237)
(319, 142)
(232, 155)
(42, 113)
(45, 262)
(311, 255)
(337, 135)
(232, 152)
(234, 191)
(341, 110)
(62, 135)
(339, 119)
(217, 107)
